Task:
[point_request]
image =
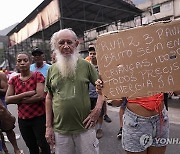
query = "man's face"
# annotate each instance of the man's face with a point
(92, 55)
(67, 44)
(38, 57)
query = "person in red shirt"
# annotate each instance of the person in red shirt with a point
(27, 91)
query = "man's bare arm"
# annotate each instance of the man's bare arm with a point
(49, 120)
(49, 111)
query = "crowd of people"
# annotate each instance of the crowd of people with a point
(61, 107)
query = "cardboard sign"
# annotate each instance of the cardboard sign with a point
(140, 61)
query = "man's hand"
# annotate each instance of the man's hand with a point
(92, 118)
(50, 135)
(99, 86)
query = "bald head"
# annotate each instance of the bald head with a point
(63, 34)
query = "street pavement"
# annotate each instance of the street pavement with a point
(109, 144)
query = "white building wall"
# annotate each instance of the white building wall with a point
(169, 9)
(166, 10)
(148, 3)
(177, 8)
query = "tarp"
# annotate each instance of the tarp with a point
(49, 15)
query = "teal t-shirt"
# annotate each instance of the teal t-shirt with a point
(71, 103)
(43, 69)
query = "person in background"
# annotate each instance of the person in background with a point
(14, 73)
(90, 46)
(70, 123)
(121, 112)
(10, 133)
(27, 91)
(145, 123)
(92, 59)
(53, 54)
(39, 65)
(166, 100)
(6, 72)
(93, 94)
(106, 117)
(53, 57)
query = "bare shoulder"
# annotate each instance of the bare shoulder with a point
(3, 76)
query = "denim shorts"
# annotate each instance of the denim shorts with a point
(140, 132)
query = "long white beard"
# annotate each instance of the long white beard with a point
(67, 65)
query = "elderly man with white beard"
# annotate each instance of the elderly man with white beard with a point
(69, 119)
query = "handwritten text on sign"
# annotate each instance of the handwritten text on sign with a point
(140, 61)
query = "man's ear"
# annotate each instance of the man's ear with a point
(77, 43)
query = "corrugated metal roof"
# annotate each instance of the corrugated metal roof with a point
(82, 15)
